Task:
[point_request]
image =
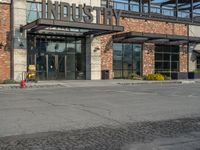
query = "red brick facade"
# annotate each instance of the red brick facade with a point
(148, 62)
(4, 42)
(139, 25)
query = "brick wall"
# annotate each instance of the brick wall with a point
(139, 25)
(4, 39)
(107, 54)
(147, 26)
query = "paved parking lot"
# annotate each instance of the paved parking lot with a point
(92, 110)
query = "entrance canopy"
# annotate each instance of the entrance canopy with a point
(197, 51)
(140, 37)
(70, 28)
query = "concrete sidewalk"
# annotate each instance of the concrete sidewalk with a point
(92, 83)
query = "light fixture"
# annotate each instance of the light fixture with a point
(1, 45)
(149, 48)
(21, 45)
(97, 48)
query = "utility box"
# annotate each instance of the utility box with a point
(105, 74)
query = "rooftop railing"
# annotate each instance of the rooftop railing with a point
(155, 10)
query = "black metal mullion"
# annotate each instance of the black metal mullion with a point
(122, 60)
(149, 6)
(140, 6)
(75, 58)
(191, 9)
(132, 58)
(176, 11)
(129, 6)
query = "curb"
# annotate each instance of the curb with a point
(157, 82)
(126, 83)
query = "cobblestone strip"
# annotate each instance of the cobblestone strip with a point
(101, 138)
(32, 86)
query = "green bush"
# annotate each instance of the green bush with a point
(134, 76)
(197, 71)
(156, 76)
(9, 81)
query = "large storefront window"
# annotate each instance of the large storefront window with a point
(126, 59)
(57, 58)
(167, 60)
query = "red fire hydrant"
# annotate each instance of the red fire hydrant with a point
(22, 84)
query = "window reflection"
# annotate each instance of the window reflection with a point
(167, 59)
(66, 56)
(126, 59)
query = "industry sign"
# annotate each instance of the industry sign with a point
(80, 13)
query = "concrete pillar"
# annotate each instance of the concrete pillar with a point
(88, 58)
(19, 39)
(192, 58)
(93, 59)
(195, 32)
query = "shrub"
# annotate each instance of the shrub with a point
(9, 81)
(197, 71)
(156, 76)
(134, 76)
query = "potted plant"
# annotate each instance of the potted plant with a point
(194, 75)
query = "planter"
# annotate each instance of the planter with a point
(180, 75)
(193, 75)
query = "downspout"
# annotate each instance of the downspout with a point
(12, 40)
(188, 48)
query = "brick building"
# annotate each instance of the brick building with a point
(99, 39)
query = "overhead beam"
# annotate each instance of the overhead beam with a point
(191, 7)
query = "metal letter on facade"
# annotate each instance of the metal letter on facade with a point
(43, 8)
(80, 13)
(64, 6)
(117, 14)
(52, 10)
(89, 18)
(108, 14)
(98, 14)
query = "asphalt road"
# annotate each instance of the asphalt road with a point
(124, 117)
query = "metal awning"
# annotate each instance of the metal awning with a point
(140, 37)
(197, 51)
(94, 29)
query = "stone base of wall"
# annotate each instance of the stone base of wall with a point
(20, 63)
(4, 65)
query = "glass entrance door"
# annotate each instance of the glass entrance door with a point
(41, 66)
(51, 72)
(56, 67)
(61, 67)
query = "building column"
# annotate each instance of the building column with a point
(93, 59)
(183, 61)
(19, 39)
(192, 58)
(148, 58)
(5, 40)
(107, 55)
